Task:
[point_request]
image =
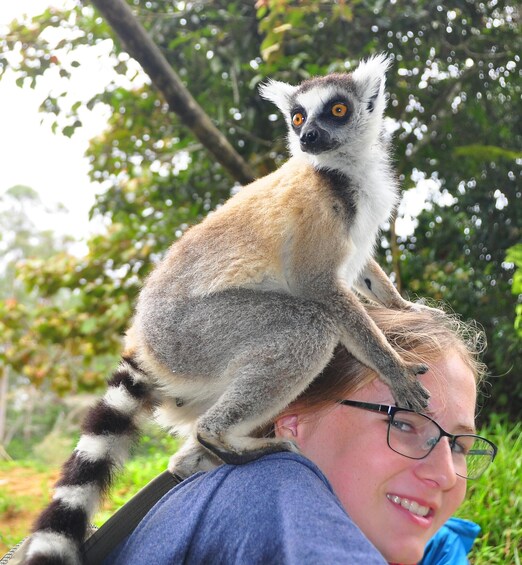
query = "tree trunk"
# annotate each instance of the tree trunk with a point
(141, 47)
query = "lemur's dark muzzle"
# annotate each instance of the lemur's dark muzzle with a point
(314, 139)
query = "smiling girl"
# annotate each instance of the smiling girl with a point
(399, 475)
(371, 484)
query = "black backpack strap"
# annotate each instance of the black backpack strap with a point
(124, 521)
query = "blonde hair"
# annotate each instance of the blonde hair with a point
(420, 336)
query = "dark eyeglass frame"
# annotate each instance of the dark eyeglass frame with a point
(391, 411)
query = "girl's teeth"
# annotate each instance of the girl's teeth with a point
(411, 505)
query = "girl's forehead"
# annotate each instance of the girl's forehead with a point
(452, 387)
(453, 390)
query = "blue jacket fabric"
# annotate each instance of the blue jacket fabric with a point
(451, 544)
(279, 509)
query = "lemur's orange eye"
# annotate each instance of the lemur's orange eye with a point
(339, 110)
(298, 119)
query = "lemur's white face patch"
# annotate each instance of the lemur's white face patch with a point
(313, 100)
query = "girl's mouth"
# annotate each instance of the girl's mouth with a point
(410, 505)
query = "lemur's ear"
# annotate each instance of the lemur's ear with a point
(370, 77)
(280, 93)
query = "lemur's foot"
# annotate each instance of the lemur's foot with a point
(408, 392)
(239, 455)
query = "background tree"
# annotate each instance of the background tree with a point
(32, 326)
(454, 106)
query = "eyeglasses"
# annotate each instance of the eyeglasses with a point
(415, 436)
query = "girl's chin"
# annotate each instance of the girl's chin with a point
(399, 554)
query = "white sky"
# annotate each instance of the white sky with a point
(30, 154)
(54, 165)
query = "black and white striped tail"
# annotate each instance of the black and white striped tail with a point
(107, 436)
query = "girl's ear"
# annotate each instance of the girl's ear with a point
(286, 426)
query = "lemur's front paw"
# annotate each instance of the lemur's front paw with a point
(409, 393)
(421, 305)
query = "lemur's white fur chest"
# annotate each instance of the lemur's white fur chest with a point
(336, 122)
(375, 198)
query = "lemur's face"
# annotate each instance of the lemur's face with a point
(335, 116)
(321, 116)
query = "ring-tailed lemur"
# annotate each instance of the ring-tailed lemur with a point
(247, 307)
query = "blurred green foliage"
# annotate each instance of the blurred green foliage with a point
(495, 500)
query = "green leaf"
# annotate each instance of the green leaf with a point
(486, 152)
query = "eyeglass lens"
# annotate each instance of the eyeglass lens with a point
(414, 435)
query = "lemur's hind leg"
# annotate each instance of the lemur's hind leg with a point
(264, 379)
(249, 354)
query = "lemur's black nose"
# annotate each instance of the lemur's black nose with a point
(309, 137)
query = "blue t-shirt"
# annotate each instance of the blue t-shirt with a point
(279, 509)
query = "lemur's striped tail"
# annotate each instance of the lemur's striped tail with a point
(107, 436)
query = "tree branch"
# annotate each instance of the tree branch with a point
(141, 47)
